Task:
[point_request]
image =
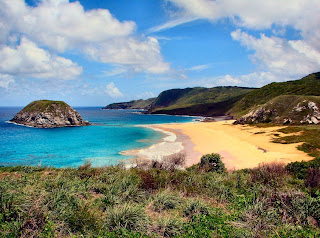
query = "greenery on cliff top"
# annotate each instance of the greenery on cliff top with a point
(45, 105)
(203, 201)
(176, 98)
(309, 85)
(134, 104)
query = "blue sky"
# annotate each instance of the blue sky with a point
(91, 53)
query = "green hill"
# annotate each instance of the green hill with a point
(134, 104)
(198, 101)
(236, 101)
(309, 85)
(189, 101)
(181, 98)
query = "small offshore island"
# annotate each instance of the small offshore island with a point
(48, 114)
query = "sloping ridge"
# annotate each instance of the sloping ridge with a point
(198, 101)
(309, 85)
(286, 109)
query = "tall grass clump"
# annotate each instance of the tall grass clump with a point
(170, 227)
(272, 174)
(166, 201)
(127, 216)
(194, 207)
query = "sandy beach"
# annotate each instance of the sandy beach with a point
(241, 146)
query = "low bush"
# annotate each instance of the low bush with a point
(170, 227)
(165, 201)
(195, 206)
(210, 163)
(313, 178)
(271, 174)
(170, 162)
(127, 216)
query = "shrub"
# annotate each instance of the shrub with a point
(165, 201)
(195, 206)
(269, 174)
(128, 216)
(170, 162)
(313, 178)
(170, 227)
(174, 161)
(212, 163)
(148, 181)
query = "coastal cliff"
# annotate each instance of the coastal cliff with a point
(48, 114)
(287, 109)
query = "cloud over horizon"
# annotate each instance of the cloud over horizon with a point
(277, 57)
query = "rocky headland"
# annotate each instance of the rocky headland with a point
(48, 114)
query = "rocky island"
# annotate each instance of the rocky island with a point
(48, 114)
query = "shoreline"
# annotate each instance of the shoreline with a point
(170, 144)
(240, 146)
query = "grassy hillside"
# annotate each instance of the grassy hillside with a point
(198, 101)
(134, 104)
(309, 85)
(288, 109)
(43, 105)
(218, 101)
(205, 109)
(203, 201)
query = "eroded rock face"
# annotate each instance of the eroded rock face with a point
(305, 112)
(49, 114)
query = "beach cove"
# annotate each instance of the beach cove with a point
(241, 146)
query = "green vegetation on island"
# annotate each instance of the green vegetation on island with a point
(44, 105)
(202, 201)
(48, 114)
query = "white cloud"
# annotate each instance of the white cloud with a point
(115, 71)
(63, 26)
(136, 55)
(172, 23)
(278, 58)
(199, 67)
(113, 91)
(281, 57)
(5, 80)
(256, 79)
(28, 59)
(253, 14)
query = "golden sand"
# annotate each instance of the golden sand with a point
(241, 146)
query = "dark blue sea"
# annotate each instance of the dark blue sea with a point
(112, 131)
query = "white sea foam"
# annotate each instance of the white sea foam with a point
(167, 146)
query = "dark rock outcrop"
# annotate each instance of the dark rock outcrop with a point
(49, 114)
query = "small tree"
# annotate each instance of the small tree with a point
(212, 163)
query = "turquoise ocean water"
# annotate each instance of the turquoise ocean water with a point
(112, 131)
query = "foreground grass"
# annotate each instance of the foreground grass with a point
(114, 202)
